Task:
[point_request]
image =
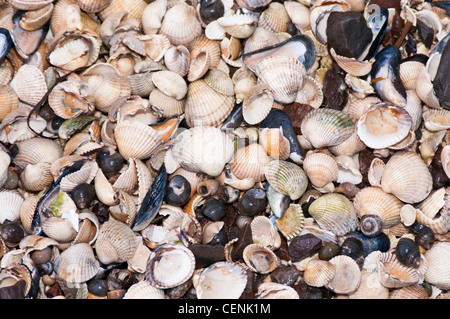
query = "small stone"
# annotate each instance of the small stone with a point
(303, 246)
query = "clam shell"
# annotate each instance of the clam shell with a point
(393, 274)
(433, 211)
(8, 101)
(292, 222)
(155, 46)
(37, 150)
(334, 212)
(170, 83)
(409, 292)
(284, 75)
(320, 168)
(383, 125)
(257, 104)
(152, 16)
(327, 127)
(261, 38)
(219, 81)
(436, 119)
(11, 203)
(414, 108)
(437, 272)
(240, 26)
(133, 8)
(167, 105)
(30, 4)
(105, 89)
(286, 178)
(401, 175)
(181, 25)
(373, 200)
(349, 147)
(409, 72)
(260, 258)
(5, 160)
(36, 177)
(318, 273)
(59, 229)
(26, 212)
(243, 80)
(144, 290)
(275, 143)
(202, 43)
(273, 290)
(299, 14)
(370, 287)
(310, 93)
(274, 18)
(77, 264)
(115, 242)
(200, 64)
(250, 162)
(177, 59)
(264, 232)
(170, 266)
(29, 84)
(347, 277)
(221, 280)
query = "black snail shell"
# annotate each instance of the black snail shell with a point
(83, 195)
(98, 287)
(353, 248)
(228, 194)
(424, 236)
(252, 202)
(214, 209)
(380, 242)
(328, 251)
(211, 10)
(408, 252)
(371, 225)
(178, 191)
(12, 233)
(110, 161)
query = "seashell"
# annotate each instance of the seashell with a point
(243, 80)
(425, 89)
(169, 256)
(409, 71)
(168, 106)
(299, 14)
(59, 229)
(320, 168)
(260, 258)
(408, 253)
(292, 222)
(393, 274)
(180, 25)
(264, 232)
(436, 119)
(370, 287)
(221, 280)
(250, 162)
(432, 212)
(93, 6)
(177, 59)
(178, 191)
(219, 81)
(437, 273)
(402, 181)
(26, 212)
(105, 89)
(310, 93)
(273, 290)
(133, 8)
(210, 11)
(36, 177)
(153, 15)
(77, 263)
(30, 5)
(68, 99)
(334, 126)
(283, 75)
(202, 105)
(260, 39)
(37, 150)
(286, 178)
(155, 45)
(371, 225)
(351, 65)
(115, 242)
(170, 83)
(347, 277)
(409, 292)
(334, 212)
(8, 100)
(275, 144)
(15, 126)
(379, 136)
(360, 88)
(29, 84)
(200, 64)
(318, 273)
(274, 18)
(240, 26)
(35, 19)
(144, 290)
(257, 103)
(210, 46)
(373, 200)
(11, 202)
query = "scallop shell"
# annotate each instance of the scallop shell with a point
(37, 150)
(11, 203)
(264, 232)
(393, 274)
(383, 125)
(286, 178)
(373, 200)
(181, 25)
(284, 76)
(327, 127)
(347, 277)
(437, 272)
(260, 258)
(144, 290)
(401, 175)
(221, 280)
(115, 242)
(318, 273)
(77, 264)
(321, 168)
(250, 162)
(334, 212)
(292, 222)
(257, 104)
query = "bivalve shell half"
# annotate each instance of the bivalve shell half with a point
(403, 173)
(321, 168)
(436, 119)
(257, 104)
(37, 150)
(181, 25)
(11, 202)
(347, 277)
(286, 178)
(77, 263)
(250, 162)
(264, 232)
(260, 259)
(221, 280)
(144, 290)
(393, 274)
(370, 287)
(240, 26)
(169, 266)
(292, 222)
(29, 84)
(438, 258)
(318, 273)
(170, 83)
(274, 290)
(275, 143)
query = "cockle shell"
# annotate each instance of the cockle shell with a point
(292, 222)
(437, 272)
(240, 26)
(275, 143)
(393, 274)
(370, 287)
(260, 258)
(318, 273)
(180, 25)
(287, 178)
(29, 84)
(321, 168)
(77, 263)
(347, 277)
(11, 203)
(264, 232)
(144, 290)
(257, 104)
(37, 150)
(250, 162)
(274, 290)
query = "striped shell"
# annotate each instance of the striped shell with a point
(438, 258)
(318, 273)
(286, 178)
(250, 162)
(77, 264)
(321, 168)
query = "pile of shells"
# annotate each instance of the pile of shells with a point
(210, 149)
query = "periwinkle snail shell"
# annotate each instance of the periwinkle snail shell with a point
(328, 251)
(211, 10)
(109, 161)
(353, 248)
(178, 191)
(83, 195)
(371, 225)
(408, 253)
(214, 209)
(424, 236)
(252, 202)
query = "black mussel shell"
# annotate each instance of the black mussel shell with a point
(424, 236)
(348, 33)
(205, 255)
(178, 191)
(214, 209)
(83, 195)
(98, 287)
(211, 10)
(441, 82)
(228, 194)
(252, 202)
(234, 120)
(27, 42)
(328, 251)
(5, 43)
(380, 242)
(303, 246)
(110, 161)
(408, 252)
(377, 22)
(371, 225)
(353, 248)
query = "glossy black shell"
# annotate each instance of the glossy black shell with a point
(408, 252)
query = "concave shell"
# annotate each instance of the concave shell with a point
(135, 139)
(200, 64)
(409, 292)
(274, 290)
(105, 89)
(77, 263)
(437, 272)
(351, 65)
(260, 258)
(393, 274)
(310, 93)
(59, 229)
(8, 100)
(11, 203)
(169, 266)
(318, 273)
(299, 14)
(284, 76)
(286, 178)
(203, 149)
(240, 26)
(144, 290)
(177, 59)
(321, 168)
(275, 143)
(373, 200)
(327, 127)
(167, 105)
(370, 287)
(257, 104)
(264, 232)
(347, 277)
(249, 162)
(181, 25)
(409, 70)
(221, 280)
(204, 44)
(133, 8)
(37, 150)
(403, 173)
(334, 212)
(5, 161)
(383, 125)
(292, 222)
(206, 106)
(436, 119)
(29, 4)
(68, 99)
(261, 38)
(29, 84)
(274, 18)
(115, 242)
(170, 83)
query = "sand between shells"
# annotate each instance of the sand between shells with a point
(222, 149)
